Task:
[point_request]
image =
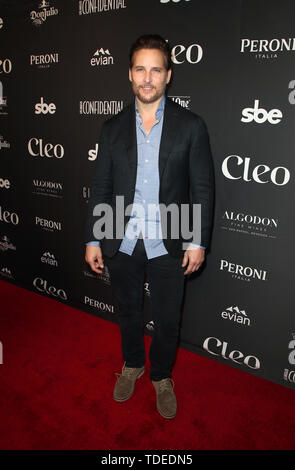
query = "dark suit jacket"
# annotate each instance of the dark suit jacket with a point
(185, 170)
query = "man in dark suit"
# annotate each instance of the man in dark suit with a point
(154, 153)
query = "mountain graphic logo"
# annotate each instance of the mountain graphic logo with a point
(102, 52)
(236, 315)
(237, 310)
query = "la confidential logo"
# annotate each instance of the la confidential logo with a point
(87, 7)
(100, 107)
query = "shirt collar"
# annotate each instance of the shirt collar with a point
(159, 112)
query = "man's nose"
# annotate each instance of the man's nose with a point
(147, 77)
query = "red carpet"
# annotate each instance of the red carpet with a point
(57, 380)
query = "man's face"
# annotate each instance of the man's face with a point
(148, 75)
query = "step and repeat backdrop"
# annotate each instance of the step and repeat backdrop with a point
(64, 71)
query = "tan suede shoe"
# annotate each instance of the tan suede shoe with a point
(166, 399)
(125, 382)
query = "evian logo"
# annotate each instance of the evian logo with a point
(6, 273)
(244, 273)
(42, 286)
(38, 17)
(217, 348)
(236, 315)
(150, 325)
(48, 258)
(260, 115)
(102, 57)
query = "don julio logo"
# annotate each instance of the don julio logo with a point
(40, 16)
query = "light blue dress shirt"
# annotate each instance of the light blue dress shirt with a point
(142, 223)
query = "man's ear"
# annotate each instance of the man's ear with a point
(169, 76)
(130, 79)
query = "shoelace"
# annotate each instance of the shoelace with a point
(127, 372)
(166, 385)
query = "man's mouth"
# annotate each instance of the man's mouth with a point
(147, 88)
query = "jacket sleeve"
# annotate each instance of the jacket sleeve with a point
(101, 184)
(202, 189)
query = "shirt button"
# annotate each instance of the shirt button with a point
(145, 181)
(143, 200)
(146, 160)
(148, 141)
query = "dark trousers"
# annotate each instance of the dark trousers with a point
(166, 284)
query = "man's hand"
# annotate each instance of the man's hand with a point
(195, 256)
(93, 256)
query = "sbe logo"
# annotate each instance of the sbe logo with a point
(260, 115)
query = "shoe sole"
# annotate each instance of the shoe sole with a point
(120, 400)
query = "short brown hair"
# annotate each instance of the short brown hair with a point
(151, 41)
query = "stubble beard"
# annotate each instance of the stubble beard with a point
(148, 99)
